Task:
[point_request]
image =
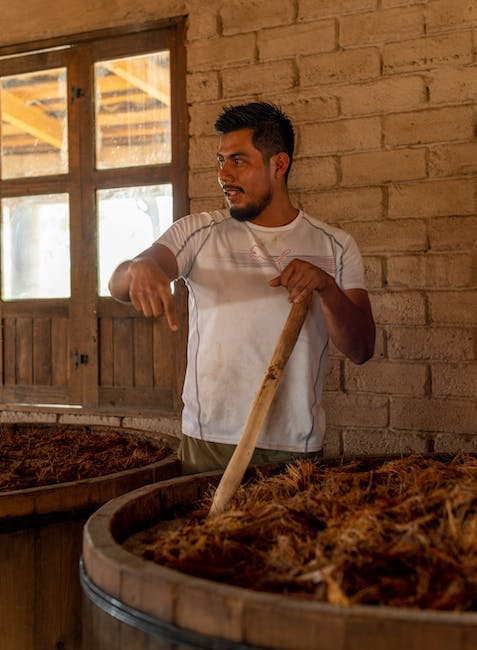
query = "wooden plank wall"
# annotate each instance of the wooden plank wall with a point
(35, 357)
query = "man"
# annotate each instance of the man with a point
(243, 266)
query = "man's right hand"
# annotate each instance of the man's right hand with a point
(145, 281)
(150, 291)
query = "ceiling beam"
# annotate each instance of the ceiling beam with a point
(135, 71)
(31, 119)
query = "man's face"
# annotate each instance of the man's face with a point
(244, 176)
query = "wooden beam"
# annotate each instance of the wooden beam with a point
(31, 119)
(135, 72)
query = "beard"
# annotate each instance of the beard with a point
(252, 211)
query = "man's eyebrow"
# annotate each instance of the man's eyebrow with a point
(232, 155)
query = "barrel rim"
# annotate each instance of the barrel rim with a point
(88, 493)
(115, 571)
(149, 624)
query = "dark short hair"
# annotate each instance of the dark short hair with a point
(272, 129)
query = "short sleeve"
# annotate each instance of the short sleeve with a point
(350, 267)
(186, 237)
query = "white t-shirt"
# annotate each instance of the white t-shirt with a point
(236, 318)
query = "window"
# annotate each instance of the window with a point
(92, 170)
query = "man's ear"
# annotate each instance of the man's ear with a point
(282, 162)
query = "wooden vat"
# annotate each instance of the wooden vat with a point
(132, 603)
(40, 548)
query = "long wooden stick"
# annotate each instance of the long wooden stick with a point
(240, 459)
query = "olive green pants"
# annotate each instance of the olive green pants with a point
(202, 456)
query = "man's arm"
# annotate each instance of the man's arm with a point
(348, 313)
(145, 281)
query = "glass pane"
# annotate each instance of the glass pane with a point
(129, 220)
(133, 111)
(35, 247)
(33, 113)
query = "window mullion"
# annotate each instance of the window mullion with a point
(83, 321)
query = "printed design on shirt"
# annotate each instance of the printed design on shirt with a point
(261, 257)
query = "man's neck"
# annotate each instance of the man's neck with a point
(275, 215)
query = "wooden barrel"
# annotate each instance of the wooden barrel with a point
(133, 603)
(40, 548)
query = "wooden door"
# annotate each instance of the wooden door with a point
(88, 127)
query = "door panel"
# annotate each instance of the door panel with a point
(139, 361)
(35, 357)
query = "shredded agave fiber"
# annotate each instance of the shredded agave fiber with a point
(401, 533)
(32, 456)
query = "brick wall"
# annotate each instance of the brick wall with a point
(383, 94)
(384, 98)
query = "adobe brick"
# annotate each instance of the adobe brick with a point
(448, 14)
(453, 233)
(28, 416)
(454, 380)
(449, 416)
(386, 377)
(202, 117)
(311, 9)
(381, 26)
(203, 183)
(216, 53)
(206, 204)
(293, 40)
(255, 15)
(429, 52)
(432, 198)
(383, 95)
(332, 447)
(383, 236)
(429, 271)
(204, 25)
(203, 86)
(202, 152)
(372, 168)
(266, 77)
(165, 425)
(307, 107)
(333, 375)
(382, 442)
(453, 307)
(356, 410)
(380, 345)
(312, 173)
(339, 136)
(399, 308)
(373, 272)
(455, 444)
(453, 159)
(453, 85)
(437, 125)
(342, 205)
(428, 343)
(337, 67)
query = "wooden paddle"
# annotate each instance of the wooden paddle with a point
(240, 459)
